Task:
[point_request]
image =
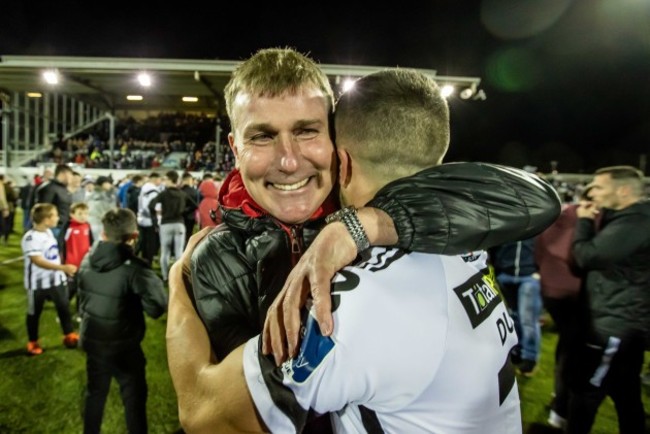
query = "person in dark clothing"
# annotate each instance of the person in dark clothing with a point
(516, 272)
(606, 357)
(172, 202)
(189, 216)
(115, 287)
(280, 104)
(133, 193)
(26, 196)
(56, 192)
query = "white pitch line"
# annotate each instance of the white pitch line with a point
(10, 261)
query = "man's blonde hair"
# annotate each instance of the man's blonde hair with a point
(271, 72)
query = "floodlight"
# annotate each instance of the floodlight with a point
(447, 90)
(348, 84)
(51, 76)
(34, 94)
(134, 97)
(144, 79)
(190, 99)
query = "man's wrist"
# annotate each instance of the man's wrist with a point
(348, 216)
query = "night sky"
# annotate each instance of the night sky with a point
(566, 81)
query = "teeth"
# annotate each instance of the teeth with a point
(291, 187)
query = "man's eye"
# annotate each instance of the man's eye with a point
(261, 139)
(306, 133)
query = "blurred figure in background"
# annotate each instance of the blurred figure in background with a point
(149, 242)
(192, 204)
(560, 283)
(209, 213)
(102, 199)
(516, 272)
(607, 357)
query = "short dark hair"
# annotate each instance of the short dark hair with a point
(625, 175)
(154, 175)
(186, 175)
(119, 225)
(207, 175)
(172, 175)
(137, 178)
(62, 168)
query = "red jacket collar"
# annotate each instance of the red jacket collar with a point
(233, 194)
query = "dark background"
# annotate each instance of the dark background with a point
(566, 81)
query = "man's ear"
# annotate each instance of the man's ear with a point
(345, 167)
(233, 148)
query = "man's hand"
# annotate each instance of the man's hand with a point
(587, 209)
(331, 250)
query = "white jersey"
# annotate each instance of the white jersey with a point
(37, 243)
(147, 193)
(421, 344)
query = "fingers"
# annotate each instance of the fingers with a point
(294, 299)
(322, 308)
(273, 334)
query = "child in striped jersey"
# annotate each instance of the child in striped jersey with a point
(45, 276)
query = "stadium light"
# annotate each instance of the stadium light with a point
(34, 95)
(144, 79)
(190, 99)
(134, 97)
(51, 76)
(447, 90)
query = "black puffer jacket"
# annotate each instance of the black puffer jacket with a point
(617, 262)
(240, 267)
(115, 287)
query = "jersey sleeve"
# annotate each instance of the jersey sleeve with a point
(31, 246)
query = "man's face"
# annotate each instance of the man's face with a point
(75, 182)
(604, 192)
(65, 177)
(284, 152)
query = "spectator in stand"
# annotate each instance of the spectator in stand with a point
(45, 276)
(173, 203)
(78, 240)
(101, 200)
(209, 212)
(192, 204)
(149, 241)
(516, 272)
(115, 287)
(560, 280)
(56, 192)
(607, 358)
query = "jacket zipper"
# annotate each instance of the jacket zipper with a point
(295, 236)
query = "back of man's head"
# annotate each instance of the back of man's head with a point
(625, 176)
(393, 123)
(120, 225)
(62, 168)
(272, 72)
(172, 176)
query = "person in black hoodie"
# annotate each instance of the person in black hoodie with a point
(115, 287)
(187, 187)
(170, 206)
(56, 192)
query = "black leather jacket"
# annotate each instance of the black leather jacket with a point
(240, 267)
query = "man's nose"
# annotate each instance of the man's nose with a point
(289, 151)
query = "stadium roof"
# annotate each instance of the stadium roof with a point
(105, 82)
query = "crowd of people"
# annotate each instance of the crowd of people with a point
(467, 254)
(146, 144)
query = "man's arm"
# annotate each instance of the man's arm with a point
(448, 209)
(212, 395)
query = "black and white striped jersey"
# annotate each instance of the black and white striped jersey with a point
(41, 243)
(421, 344)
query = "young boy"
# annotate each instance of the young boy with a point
(115, 286)
(45, 276)
(78, 239)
